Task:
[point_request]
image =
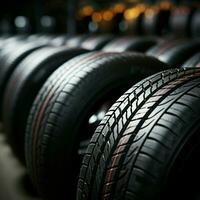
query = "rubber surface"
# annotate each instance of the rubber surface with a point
(7, 40)
(62, 109)
(10, 61)
(7, 47)
(193, 62)
(96, 42)
(180, 21)
(136, 24)
(164, 45)
(59, 40)
(76, 40)
(175, 52)
(23, 87)
(155, 21)
(128, 43)
(146, 138)
(195, 24)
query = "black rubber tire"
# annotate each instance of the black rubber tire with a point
(76, 40)
(22, 88)
(176, 52)
(164, 45)
(8, 63)
(62, 109)
(180, 21)
(7, 40)
(96, 42)
(128, 43)
(155, 22)
(136, 24)
(41, 38)
(7, 47)
(59, 40)
(193, 62)
(195, 24)
(144, 137)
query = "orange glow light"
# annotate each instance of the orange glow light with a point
(141, 7)
(131, 13)
(134, 12)
(119, 8)
(107, 15)
(96, 17)
(165, 5)
(87, 11)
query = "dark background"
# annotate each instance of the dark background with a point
(60, 10)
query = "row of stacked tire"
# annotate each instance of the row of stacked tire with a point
(103, 117)
(164, 19)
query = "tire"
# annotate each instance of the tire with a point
(40, 38)
(96, 42)
(22, 88)
(155, 21)
(139, 44)
(76, 40)
(195, 24)
(59, 117)
(59, 40)
(180, 21)
(8, 63)
(140, 147)
(168, 43)
(193, 62)
(176, 52)
(7, 47)
(136, 24)
(5, 41)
